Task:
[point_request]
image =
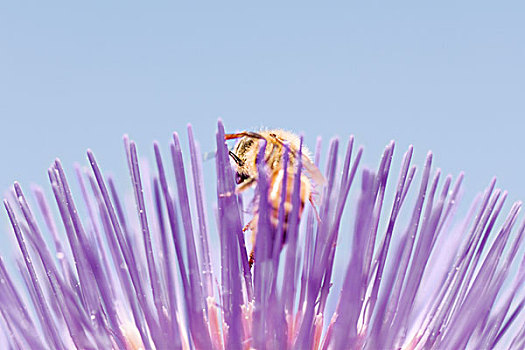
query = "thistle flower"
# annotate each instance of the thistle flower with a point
(414, 275)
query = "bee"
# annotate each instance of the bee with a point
(244, 156)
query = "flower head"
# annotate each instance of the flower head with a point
(108, 278)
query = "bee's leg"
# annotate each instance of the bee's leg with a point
(252, 258)
(245, 185)
(312, 202)
(243, 134)
(252, 225)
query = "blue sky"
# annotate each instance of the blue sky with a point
(444, 76)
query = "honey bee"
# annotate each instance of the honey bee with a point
(244, 156)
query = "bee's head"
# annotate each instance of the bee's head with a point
(243, 155)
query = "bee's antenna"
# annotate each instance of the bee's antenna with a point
(236, 159)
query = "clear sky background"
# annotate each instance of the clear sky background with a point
(444, 76)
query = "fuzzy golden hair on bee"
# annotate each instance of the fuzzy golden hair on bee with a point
(245, 151)
(244, 157)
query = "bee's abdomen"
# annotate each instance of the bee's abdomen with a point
(275, 197)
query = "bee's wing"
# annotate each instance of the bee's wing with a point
(206, 156)
(313, 170)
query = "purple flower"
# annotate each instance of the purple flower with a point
(410, 273)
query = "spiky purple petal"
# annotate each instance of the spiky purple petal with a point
(145, 280)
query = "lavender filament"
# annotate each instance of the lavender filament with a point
(96, 285)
